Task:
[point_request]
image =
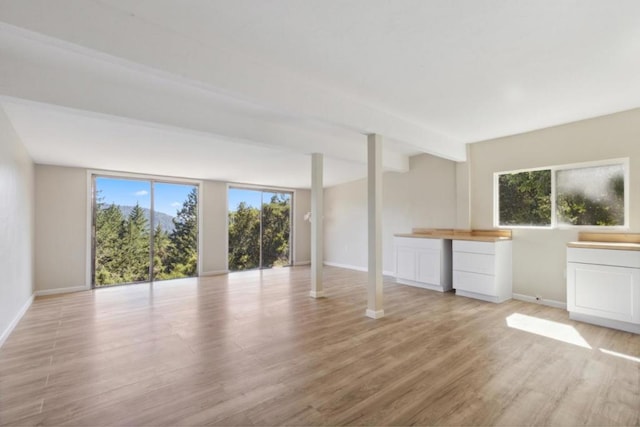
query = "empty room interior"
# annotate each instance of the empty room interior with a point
(301, 212)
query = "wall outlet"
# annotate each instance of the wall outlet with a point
(538, 298)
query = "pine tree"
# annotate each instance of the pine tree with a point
(244, 234)
(108, 258)
(135, 259)
(183, 258)
(161, 250)
(275, 231)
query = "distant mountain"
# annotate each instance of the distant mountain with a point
(161, 218)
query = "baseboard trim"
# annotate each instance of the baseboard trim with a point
(214, 273)
(374, 314)
(70, 289)
(16, 319)
(608, 323)
(356, 268)
(346, 266)
(547, 302)
(316, 294)
(481, 297)
(422, 285)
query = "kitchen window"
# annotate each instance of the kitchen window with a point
(578, 195)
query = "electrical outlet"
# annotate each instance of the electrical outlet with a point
(538, 298)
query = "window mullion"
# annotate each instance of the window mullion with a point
(554, 217)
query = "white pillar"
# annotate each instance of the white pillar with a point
(317, 236)
(374, 186)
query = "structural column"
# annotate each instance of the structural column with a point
(374, 188)
(317, 232)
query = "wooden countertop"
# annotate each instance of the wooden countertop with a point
(451, 234)
(606, 245)
(615, 241)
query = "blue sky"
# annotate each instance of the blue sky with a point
(237, 195)
(168, 198)
(251, 197)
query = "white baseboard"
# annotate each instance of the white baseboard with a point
(354, 267)
(299, 263)
(431, 287)
(316, 294)
(608, 323)
(5, 334)
(347, 266)
(548, 302)
(374, 314)
(70, 289)
(214, 273)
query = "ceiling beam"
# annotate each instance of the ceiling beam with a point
(48, 74)
(216, 67)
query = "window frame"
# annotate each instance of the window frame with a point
(624, 162)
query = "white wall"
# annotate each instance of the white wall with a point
(301, 228)
(214, 227)
(61, 226)
(423, 197)
(463, 202)
(539, 255)
(16, 228)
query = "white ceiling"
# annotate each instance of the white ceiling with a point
(244, 90)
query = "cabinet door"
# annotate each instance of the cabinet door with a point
(428, 266)
(406, 263)
(604, 291)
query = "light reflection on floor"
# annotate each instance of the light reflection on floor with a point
(621, 355)
(547, 328)
(558, 331)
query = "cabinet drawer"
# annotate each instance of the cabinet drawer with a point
(474, 263)
(474, 282)
(417, 242)
(604, 257)
(474, 247)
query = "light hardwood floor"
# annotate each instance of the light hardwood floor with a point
(253, 349)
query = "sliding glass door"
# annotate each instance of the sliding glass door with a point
(143, 230)
(175, 231)
(259, 228)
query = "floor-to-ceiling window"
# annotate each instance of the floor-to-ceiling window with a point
(259, 228)
(143, 230)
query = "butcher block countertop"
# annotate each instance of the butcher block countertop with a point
(616, 241)
(452, 234)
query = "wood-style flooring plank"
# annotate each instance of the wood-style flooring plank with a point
(253, 348)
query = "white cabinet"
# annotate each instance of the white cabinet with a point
(482, 270)
(423, 262)
(603, 287)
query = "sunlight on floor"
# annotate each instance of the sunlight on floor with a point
(621, 355)
(547, 328)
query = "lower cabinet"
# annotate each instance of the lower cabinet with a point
(603, 287)
(476, 269)
(482, 270)
(423, 262)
